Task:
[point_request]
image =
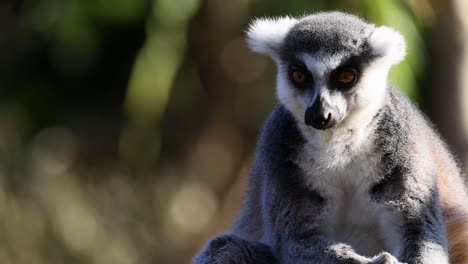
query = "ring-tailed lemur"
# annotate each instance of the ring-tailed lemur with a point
(347, 170)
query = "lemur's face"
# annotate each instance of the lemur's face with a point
(322, 89)
(331, 66)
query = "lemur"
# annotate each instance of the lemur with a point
(347, 169)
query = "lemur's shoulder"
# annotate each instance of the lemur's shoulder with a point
(410, 122)
(280, 135)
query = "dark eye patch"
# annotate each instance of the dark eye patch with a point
(353, 62)
(347, 74)
(358, 61)
(344, 77)
(299, 75)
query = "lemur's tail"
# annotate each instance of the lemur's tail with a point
(457, 231)
(454, 202)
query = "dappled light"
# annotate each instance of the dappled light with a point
(191, 208)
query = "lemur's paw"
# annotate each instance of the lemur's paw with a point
(385, 258)
(219, 250)
(229, 249)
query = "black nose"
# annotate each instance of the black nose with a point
(317, 118)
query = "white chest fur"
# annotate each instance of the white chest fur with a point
(343, 171)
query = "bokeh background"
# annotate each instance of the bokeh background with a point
(127, 126)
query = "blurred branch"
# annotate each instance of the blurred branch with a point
(152, 79)
(448, 90)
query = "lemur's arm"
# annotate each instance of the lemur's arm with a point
(423, 230)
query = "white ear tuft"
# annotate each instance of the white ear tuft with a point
(388, 43)
(265, 35)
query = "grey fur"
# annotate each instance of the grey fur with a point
(332, 32)
(283, 217)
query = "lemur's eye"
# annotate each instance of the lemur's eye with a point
(345, 77)
(298, 77)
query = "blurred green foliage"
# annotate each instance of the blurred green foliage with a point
(125, 124)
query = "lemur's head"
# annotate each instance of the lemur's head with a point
(332, 67)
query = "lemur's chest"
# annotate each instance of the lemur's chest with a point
(350, 215)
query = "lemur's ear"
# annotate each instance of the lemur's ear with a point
(265, 35)
(388, 44)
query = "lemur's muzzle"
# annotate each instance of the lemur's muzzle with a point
(318, 117)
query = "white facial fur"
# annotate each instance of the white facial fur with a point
(265, 35)
(389, 42)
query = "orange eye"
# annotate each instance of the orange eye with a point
(298, 77)
(346, 76)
